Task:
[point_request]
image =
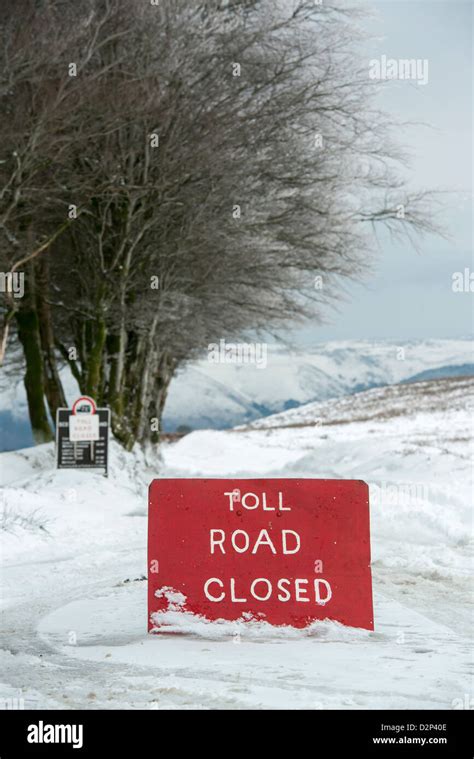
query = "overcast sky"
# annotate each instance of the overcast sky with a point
(410, 295)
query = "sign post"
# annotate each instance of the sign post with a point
(284, 551)
(82, 436)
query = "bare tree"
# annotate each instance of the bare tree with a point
(222, 155)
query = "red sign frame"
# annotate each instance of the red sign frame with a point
(86, 398)
(284, 551)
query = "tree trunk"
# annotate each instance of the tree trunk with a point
(142, 367)
(53, 387)
(152, 413)
(4, 331)
(29, 336)
(95, 360)
(116, 389)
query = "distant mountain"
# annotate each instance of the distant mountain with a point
(442, 372)
(217, 396)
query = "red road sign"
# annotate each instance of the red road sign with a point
(84, 405)
(286, 551)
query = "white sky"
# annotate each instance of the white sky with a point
(410, 295)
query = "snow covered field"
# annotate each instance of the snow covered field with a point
(74, 560)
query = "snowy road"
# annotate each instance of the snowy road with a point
(74, 555)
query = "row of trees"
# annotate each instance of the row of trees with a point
(175, 172)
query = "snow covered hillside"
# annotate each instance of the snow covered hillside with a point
(74, 560)
(217, 396)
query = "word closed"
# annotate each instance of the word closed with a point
(284, 551)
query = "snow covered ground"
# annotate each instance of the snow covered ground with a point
(74, 560)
